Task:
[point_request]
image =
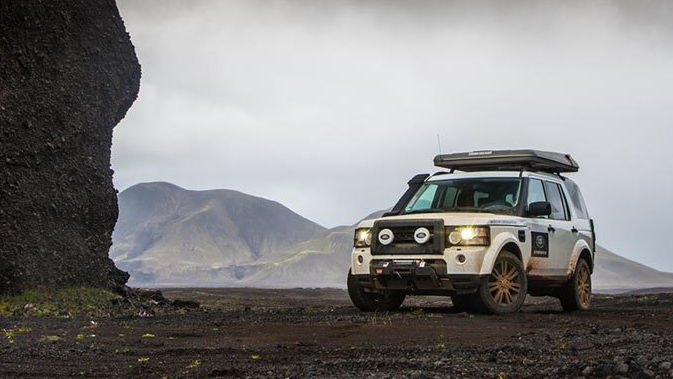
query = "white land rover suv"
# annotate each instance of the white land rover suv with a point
(508, 224)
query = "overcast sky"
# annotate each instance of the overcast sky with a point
(330, 107)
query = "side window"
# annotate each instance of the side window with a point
(577, 199)
(535, 191)
(555, 198)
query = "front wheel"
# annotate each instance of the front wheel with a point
(370, 302)
(576, 294)
(506, 287)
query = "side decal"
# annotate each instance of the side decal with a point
(540, 244)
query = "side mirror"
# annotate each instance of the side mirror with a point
(539, 208)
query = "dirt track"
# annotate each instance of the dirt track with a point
(317, 333)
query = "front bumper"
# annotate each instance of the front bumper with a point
(468, 260)
(417, 276)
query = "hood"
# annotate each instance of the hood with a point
(453, 219)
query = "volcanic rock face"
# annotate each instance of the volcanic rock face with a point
(68, 74)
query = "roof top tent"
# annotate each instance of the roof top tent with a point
(508, 160)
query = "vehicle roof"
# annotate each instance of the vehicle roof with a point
(439, 176)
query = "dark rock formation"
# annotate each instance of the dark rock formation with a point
(68, 74)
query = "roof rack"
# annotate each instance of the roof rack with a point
(508, 160)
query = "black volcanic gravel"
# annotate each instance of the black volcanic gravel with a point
(317, 333)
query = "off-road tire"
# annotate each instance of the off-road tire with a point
(372, 302)
(504, 291)
(576, 294)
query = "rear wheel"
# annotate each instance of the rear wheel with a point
(576, 294)
(369, 301)
(505, 289)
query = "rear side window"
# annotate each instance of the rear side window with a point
(577, 200)
(555, 198)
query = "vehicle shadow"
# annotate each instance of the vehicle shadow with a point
(448, 309)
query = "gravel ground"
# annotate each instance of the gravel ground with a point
(317, 333)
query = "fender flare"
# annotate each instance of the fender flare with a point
(497, 245)
(580, 246)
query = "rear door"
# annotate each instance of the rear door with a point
(580, 216)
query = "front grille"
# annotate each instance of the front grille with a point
(406, 233)
(403, 237)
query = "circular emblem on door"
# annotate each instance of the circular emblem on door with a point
(386, 237)
(539, 241)
(421, 235)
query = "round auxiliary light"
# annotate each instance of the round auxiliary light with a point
(455, 237)
(386, 237)
(421, 235)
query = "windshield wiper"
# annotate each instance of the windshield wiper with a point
(459, 210)
(470, 210)
(425, 211)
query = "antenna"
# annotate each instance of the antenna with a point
(439, 145)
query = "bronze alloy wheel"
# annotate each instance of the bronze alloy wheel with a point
(504, 290)
(576, 294)
(584, 286)
(504, 283)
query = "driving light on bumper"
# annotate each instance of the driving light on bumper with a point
(386, 237)
(421, 235)
(469, 235)
(363, 237)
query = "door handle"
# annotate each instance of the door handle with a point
(551, 229)
(574, 230)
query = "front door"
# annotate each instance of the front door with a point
(551, 236)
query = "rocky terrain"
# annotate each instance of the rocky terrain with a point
(68, 74)
(256, 333)
(169, 236)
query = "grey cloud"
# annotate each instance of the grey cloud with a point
(329, 107)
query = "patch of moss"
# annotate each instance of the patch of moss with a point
(64, 302)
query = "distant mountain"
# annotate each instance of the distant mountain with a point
(614, 273)
(169, 236)
(322, 261)
(165, 231)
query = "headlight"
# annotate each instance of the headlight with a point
(363, 237)
(468, 235)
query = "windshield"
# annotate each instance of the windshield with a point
(492, 195)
